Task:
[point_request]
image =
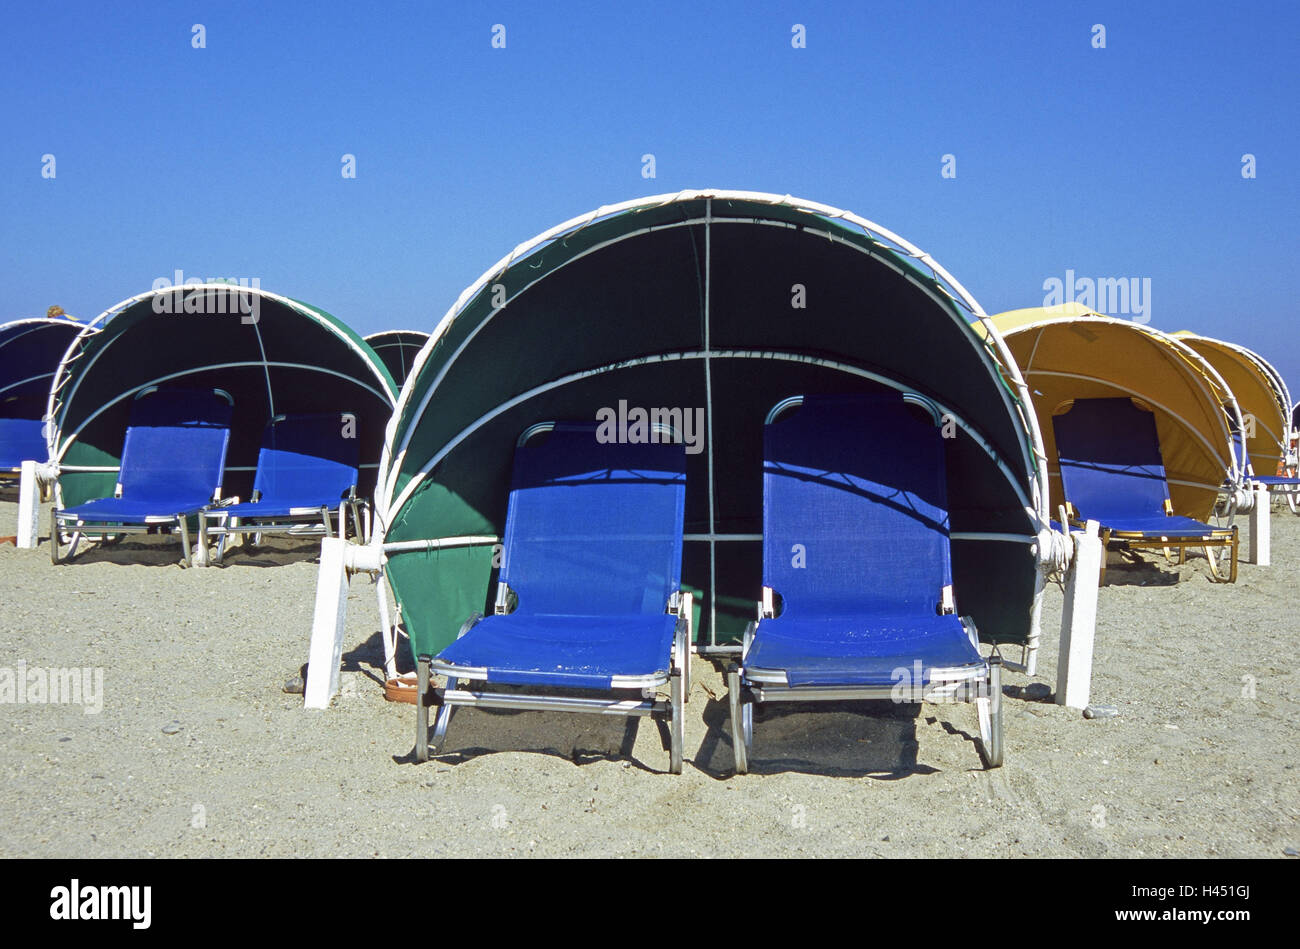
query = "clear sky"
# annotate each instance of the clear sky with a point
(225, 161)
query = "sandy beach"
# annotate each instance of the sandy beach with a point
(1201, 762)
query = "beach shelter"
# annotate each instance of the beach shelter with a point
(703, 309)
(398, 349)
(30, 351)
(1261, 395)
(272, 355)
(1069, 352)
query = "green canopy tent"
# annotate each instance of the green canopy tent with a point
(398, 349)
(715, 305)
(273, 355)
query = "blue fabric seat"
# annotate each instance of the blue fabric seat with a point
(856, 553)
(866, 651)
(591, 564)
(163, 508)
(1275, 480)
(571, 651)
(173, 458)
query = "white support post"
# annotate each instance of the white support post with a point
(29, 505)
(1079, 621)
(1260, 552)
(327, 625)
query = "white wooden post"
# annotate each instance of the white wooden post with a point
(1079, 621)
(327, 625)
(1260, 552)
(29, 505)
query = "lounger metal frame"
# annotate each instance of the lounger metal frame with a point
(747, 686)
(300, 522)
(644, 704)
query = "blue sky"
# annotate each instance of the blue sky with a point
(225, 161)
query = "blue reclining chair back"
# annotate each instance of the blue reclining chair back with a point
(307, 460)
(855, 509)
(594, 529)
(1110, 461)
(21, 439)
(175, 444)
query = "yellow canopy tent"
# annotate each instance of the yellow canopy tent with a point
(1069, 352)
(1261, 395)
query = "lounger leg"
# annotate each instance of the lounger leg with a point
(220, 553)
(54, 539)
(682, 659)
(739, 748)
(1214, 562)
(677, 701)
(990, 713)
(422, 709)
(186, 554)
(442, 720)
(201, 543)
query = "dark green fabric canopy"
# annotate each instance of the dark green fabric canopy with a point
(723, 302)
(398, 349)
(280, 357)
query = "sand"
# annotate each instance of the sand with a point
(1201, 762)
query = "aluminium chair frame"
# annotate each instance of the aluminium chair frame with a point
(747, 686)
(300, 522)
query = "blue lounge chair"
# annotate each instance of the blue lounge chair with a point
(856, 549)
(1112, 472)
(173, 457)
(588, 595)
(306, 472)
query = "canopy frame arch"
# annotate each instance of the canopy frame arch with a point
(370, 377)
(1264, 370)
(13, 331)
(954, 292)
(74, 352)
(406, 340)
(910, 273)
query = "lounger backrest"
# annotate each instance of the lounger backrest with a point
(594, 529)
(855, 507)
(175, 444)
(1110, 460)
(21, 439)
(308, 457)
